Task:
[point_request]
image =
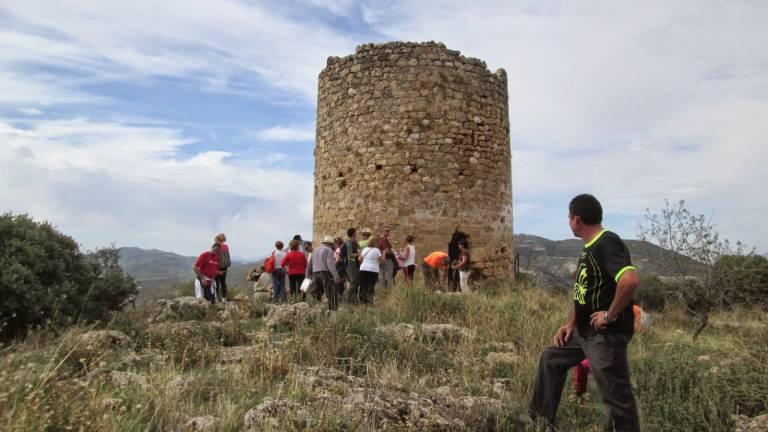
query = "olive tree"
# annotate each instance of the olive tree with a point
(691, 249)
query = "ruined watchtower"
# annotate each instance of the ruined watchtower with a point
(416, 136)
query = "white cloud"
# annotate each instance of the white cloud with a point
(229, 46)
(30, 111)
(634, 101)
(287, 133)
(131, 184)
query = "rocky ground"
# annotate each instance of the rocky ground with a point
(415, 361)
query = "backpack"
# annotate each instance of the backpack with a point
(224, 260)
(269, 264)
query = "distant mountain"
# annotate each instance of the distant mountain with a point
(153, 264)
(159, 273)
(553, 262)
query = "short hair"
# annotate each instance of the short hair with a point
(297, 237)
(586, 207)
(215, 246)
(220, 237)
(293, 245)
(351, 232)
(409, 238)
(279, 245)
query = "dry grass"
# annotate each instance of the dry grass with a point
(44, 385)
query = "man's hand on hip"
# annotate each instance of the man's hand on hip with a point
(563, 335)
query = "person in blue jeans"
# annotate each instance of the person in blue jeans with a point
(278, 275)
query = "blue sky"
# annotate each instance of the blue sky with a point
(159, 124)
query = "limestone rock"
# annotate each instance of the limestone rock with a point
(501, 359)
(103, 341)
(201, 424)
(292, 315)
(112, 404)
(755, 424)
(186, 335)
(272, 413)
(361, 403)
(405, 332)
(180, 384)
(227, 310)
(128, 379)
(237, 353)
(181, 309)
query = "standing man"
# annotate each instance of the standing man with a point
(225, 261)
(387, 271)
(350, 251)
(324, 274)
(600, 325)
(206, 269)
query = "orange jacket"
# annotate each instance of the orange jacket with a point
(436, 259)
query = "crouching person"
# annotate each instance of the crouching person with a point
(206, 269)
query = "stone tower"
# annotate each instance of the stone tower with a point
(416, 136)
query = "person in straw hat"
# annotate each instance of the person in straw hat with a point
(365, 233)
(324, 275)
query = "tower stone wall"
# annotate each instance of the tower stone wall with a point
(416, 136)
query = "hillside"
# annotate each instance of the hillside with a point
(153, 264)
(159, 273)
(415, 360)
(552, 262)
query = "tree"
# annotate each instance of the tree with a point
(47, 280)
(691, 249)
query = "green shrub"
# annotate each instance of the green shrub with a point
(48, 281)
(651, 294)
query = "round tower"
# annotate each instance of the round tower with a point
(416, 136)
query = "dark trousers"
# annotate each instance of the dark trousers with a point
(431, 277)
(294, 283)
(324, 283)
(278, 286)
(221, 284)
(607, 355)
(408, 273)
(207, 295)
(367, 283)
(353, 275)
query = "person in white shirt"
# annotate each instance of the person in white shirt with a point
(370, 259)
(408, 256)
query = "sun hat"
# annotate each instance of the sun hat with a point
(328, 239)
(365, 231)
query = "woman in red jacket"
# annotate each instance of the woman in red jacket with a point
(297, 266)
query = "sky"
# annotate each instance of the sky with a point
(159, 124)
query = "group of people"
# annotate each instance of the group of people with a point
(352, 268)
(598, 329)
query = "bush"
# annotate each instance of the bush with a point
(745, 278)
(651, 294)
(47, 280)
